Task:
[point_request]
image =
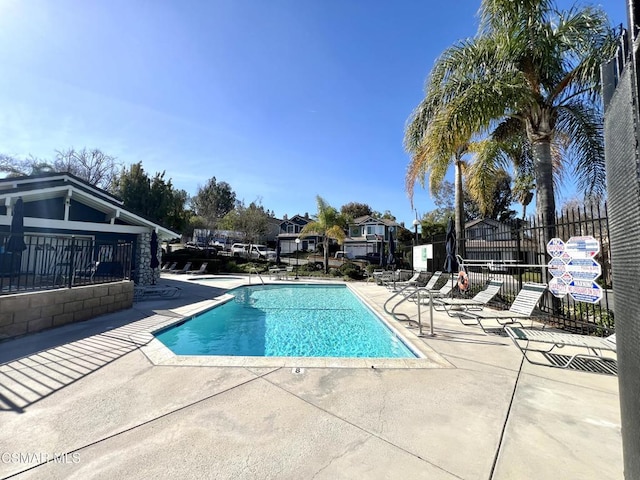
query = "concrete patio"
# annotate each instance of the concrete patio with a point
(85, 401)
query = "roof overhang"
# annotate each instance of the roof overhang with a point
(71, 189)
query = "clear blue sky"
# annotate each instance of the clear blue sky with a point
(282, 99)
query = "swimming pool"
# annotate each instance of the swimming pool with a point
(287, 321)
(211, 278)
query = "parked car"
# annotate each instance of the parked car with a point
(261, 252)
(239, 249)
(372, 257)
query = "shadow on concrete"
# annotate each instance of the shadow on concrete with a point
(34, 366)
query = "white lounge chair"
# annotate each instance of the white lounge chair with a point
(185, 269)
(427, 294)
(453, 306)
(430, 285)
(543, 342)
(521, 309)
(418, 279)
(199, 271)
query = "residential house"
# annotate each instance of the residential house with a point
(367, 235)
(488, 239)
(290, 229)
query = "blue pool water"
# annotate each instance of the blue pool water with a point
(215, 279)
(287, 321)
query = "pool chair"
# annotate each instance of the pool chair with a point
(392, 280)
(276, 272)
(199, 271)
(167, 267)
(433, 280)
(453, 306)
(419, 279)
(441, 292)
(387, 277)
(427, 294)
(185, 269)
(521, 309)
(540, 343)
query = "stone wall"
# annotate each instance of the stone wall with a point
(34, 311)
(145, 275)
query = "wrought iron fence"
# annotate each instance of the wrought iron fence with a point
(50, 262)
(516, 252)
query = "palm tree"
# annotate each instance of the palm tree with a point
(329, 223)
(426, 161)
(530, 65)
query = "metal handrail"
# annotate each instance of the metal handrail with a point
(419, 293)
(255, 270)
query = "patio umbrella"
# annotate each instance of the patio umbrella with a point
(278, 251)
(154, 254)
(450, 262)
(16, 244)
(392, 250)
(382, 257)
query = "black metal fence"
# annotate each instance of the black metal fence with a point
(517, 252)
(50, 262)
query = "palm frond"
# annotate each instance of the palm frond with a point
(583, 124)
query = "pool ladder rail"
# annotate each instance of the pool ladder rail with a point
(253, 270)
(414, 294)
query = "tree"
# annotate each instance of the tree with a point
(497, 206)
(93, 166)
(386, 215)
(15, 167)
(329, 223)
(354, 210)
(431, 225)
(213, 201)
(530, 65)
(252, 221)
(155, 199)
(443, 198)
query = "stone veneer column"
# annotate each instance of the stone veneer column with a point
(145, 275)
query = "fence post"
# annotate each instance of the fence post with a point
(519, 229)
(71, 262)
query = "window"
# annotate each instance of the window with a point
(375, 229)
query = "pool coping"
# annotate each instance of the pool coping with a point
(159, 354)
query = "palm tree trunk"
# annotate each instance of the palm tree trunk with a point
(459, 207)
(325, 243)
(545, 199)
(545, 206)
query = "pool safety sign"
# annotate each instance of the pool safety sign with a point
(421, 254)
(574, 268)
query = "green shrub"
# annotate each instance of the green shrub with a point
(350, 270)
